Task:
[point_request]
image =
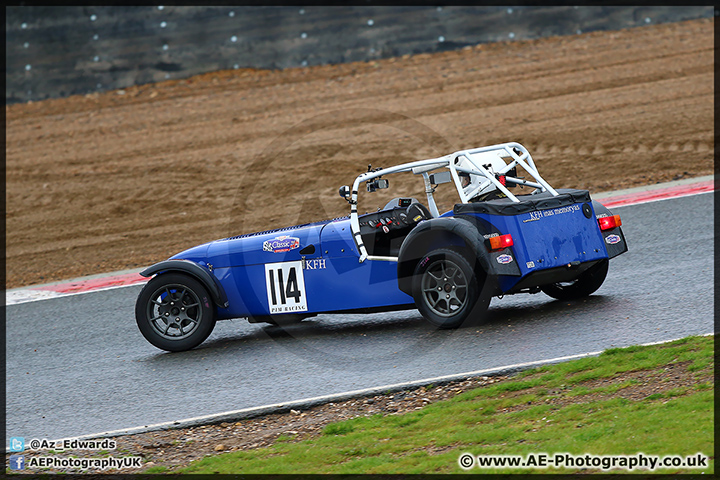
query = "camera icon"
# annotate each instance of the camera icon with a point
(17, 444)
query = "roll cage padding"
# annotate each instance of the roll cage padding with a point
(438, 233)
(194, 270)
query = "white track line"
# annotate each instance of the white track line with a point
(27, 295)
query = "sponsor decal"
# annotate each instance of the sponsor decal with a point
(504, 259)
(530, 264)
(534, 216)
(491, 235)
(612, 239)
(281, 244)
(314, 264)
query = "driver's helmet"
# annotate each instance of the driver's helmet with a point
(496, 164)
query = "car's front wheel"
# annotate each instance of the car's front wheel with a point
(585, 284)
(174, 312)
(445, 289)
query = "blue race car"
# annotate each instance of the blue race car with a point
(405, 255)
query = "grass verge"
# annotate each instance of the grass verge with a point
(657, 400)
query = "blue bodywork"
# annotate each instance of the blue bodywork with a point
(315, 268)
(328, 279)
(548, 239)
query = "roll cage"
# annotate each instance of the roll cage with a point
(472, 161)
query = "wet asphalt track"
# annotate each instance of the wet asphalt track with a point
(78, 365)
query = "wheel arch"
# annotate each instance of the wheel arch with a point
(438, 233)
(600, 208)
(196, 271)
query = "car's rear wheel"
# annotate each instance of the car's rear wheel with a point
(445, 289)
(174, 312)
(585, 284)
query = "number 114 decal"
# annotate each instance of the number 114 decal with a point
(285, 287)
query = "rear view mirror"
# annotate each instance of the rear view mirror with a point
(344, 192)
(440, 177)
(377, 183)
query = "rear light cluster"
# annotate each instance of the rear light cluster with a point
(500, 242)
(606, 223)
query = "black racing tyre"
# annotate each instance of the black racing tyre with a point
(175, 312)
(587, 283)
(445, 289)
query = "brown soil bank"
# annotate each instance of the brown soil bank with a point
(127, 178)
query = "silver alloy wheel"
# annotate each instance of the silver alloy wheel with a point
(174, 311)
(444, 288)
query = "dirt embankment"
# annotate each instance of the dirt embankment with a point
(127, 178)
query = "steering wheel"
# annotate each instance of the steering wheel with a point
(417, 212)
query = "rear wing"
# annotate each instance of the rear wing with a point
(473, 161)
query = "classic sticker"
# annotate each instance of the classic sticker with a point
(504, 259)
(281, 244)
(530, 264)
(285, 287)
(612, 239)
